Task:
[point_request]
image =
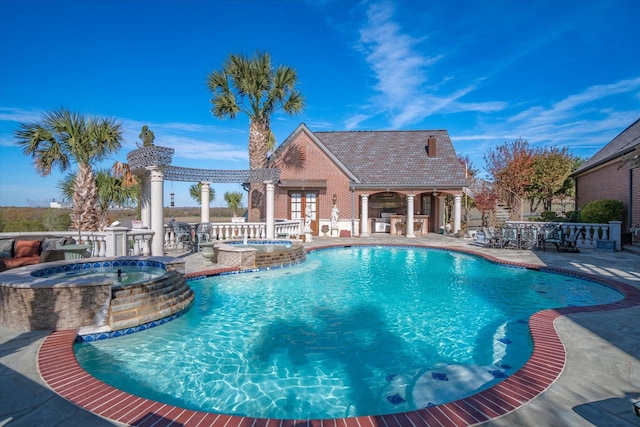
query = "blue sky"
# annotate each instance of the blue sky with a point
(560, 73)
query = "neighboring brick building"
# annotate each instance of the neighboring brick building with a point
(612, 174)
(380, 181)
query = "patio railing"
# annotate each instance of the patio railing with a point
(113, 241)
(121, 241)
(217, 231)
(585, 235)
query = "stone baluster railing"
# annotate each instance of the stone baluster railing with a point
(587, 233)
(288, 228)
(139, 242)
(120, 241)
(238, 230)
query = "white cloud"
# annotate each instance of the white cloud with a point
(579, 120)
(190, 140)
(401, 72)
(575, 105)
(355, 120)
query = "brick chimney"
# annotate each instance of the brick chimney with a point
(432, 150)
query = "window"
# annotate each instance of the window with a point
(296, 206)
(300, 202)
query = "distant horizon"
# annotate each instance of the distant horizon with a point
(557, 73)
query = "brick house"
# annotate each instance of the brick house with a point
(611, 174)
(379, 181)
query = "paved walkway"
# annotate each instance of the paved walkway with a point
(600, 382)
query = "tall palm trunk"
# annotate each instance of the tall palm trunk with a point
(102, 217)
(84, 216)
(258, 149)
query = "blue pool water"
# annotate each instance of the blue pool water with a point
(121, 271)
(351, 331)
(124, 275)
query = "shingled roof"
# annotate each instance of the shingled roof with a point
(619, 146)
(392, 158)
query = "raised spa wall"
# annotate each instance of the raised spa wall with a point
(39, 303)
(250, 258)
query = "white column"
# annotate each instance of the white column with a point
(271, 209)
(145, 200)
(205, 192)
(364, 216)
(157, 211)
(441, 203)
(457, 208)
(409, 225)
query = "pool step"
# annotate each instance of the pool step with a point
(144, 302)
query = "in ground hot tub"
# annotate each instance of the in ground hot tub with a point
(108, 295)
(252, 254)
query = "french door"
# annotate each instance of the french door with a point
(303, 203)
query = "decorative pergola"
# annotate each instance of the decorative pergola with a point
(152, 164)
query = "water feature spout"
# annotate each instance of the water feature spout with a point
(244, 241)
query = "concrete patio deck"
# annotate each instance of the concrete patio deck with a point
(598, 386)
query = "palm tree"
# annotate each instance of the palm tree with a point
(253, 87)
(63, 138)
(195, 191)
(111, 189)
(234, 201)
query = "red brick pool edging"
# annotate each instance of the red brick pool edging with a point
(60, 370)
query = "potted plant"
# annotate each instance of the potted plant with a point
(234, 202)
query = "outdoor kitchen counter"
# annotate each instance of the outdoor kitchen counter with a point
(403, 218)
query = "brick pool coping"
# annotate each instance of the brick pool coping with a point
(60, 370)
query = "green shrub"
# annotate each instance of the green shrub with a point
(25, 225)
(602, 211)
(548, 216)
(53, 220)
(572, 216)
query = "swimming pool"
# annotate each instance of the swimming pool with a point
(352, 331)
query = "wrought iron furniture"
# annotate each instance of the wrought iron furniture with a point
(184, 239)
(202, 234)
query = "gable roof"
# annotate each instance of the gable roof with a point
(390, 158)
(619, 146)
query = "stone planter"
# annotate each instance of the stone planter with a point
(208, 251)
(74, 251)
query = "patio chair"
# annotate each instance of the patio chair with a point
(552, 234)
(182, 231)
(569, 242)
(417, 227)
(400, 226)
(528, 237)
(492, 238)
(202, 233)
(510, 238)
